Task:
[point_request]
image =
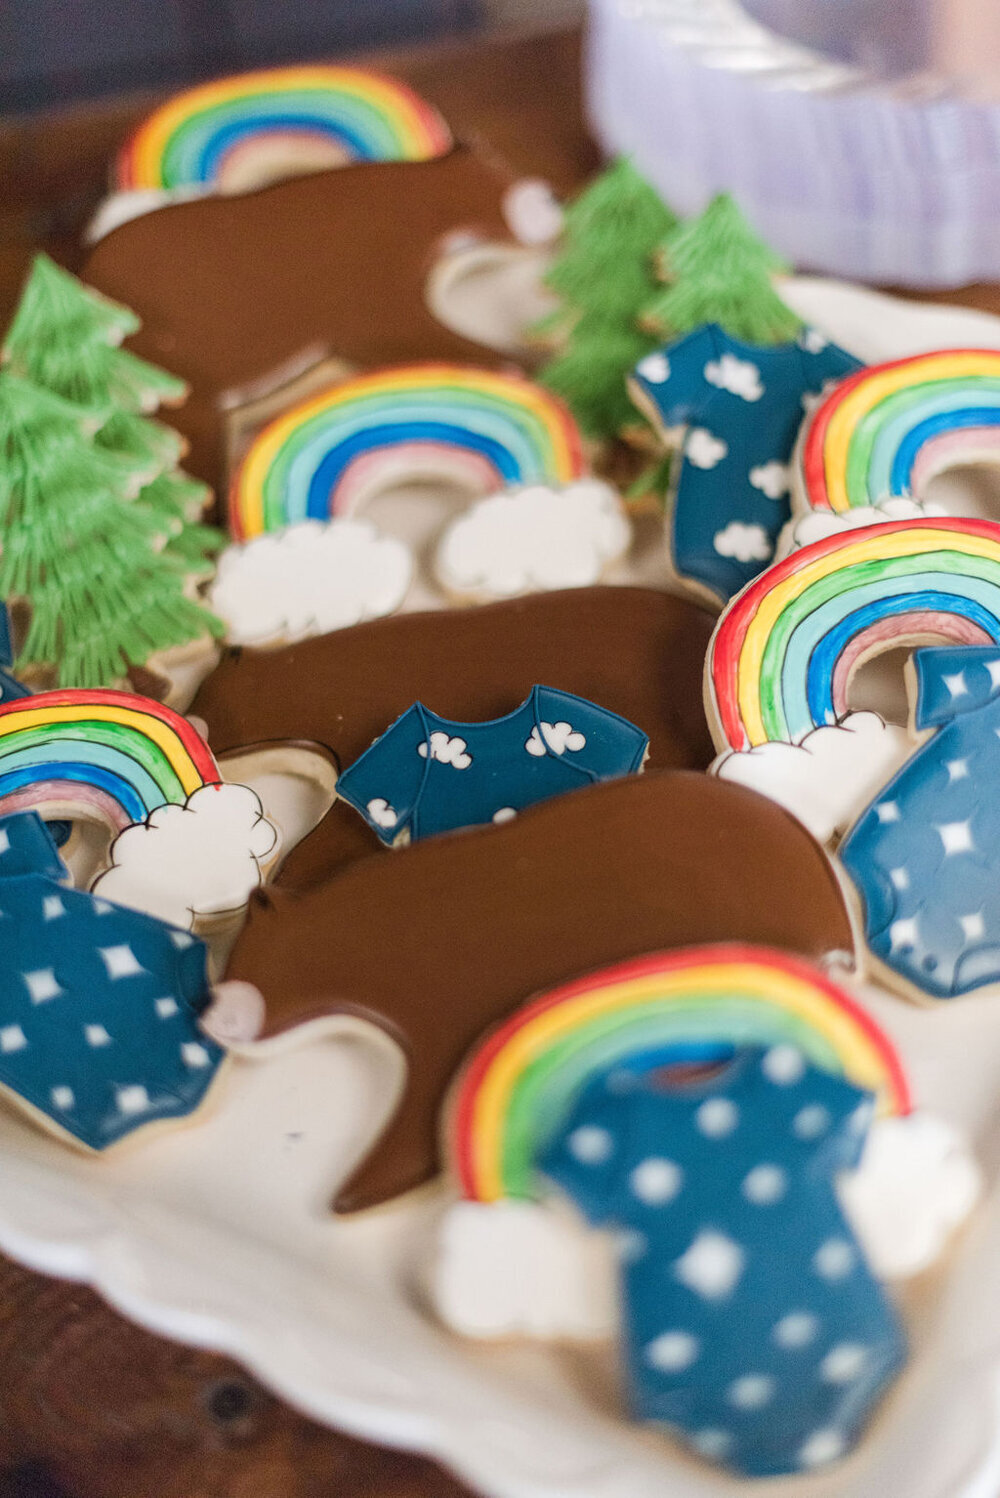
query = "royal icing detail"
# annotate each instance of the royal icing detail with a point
(532, 539)
(782, 655)
(112, 753)
(203, 858)
(924, 854)
(199, 137)
(99, 1006)
(480, 430)
(426, 775)
(742, 405)
(676, 1006)
(890, 428)
(753, 1328)
(308, 579)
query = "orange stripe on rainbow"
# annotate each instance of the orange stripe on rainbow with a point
(521, 1080)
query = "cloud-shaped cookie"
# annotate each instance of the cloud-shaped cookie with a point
(200, 859)
(744, 543)
(916, 1183)
(704, 449)
(308, 579)
(828, 779)
(533, 539)
(802, 530)
(520, 1268)
(739, 376)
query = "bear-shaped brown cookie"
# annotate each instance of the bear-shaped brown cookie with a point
(436, 942)
(238, 294)
(635, 651)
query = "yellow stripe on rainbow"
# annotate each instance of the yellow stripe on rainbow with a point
(521, 1079)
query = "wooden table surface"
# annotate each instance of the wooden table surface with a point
(91, 1407)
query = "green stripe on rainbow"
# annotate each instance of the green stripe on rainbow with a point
(359, 115)
(113, 752)
(783, 652)
(473, 427)
(884, 431)
(521, 1082)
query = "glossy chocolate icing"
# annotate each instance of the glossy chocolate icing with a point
(437, 942)
(635, 651)
(232, 289)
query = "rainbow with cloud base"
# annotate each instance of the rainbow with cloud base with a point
(470, 427)
(197, 137)
(782, 655)
(520, 1084)
(889, 429)
(111, 754)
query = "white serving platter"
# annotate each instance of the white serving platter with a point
(219, 1234)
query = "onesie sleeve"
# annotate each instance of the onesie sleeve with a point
(384, 783)
(672, 381)
(953, 680)
(591, 739)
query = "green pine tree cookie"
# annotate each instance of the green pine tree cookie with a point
(603, 276)
(103, 594)
(718, 271)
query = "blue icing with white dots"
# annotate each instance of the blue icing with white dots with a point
(99, 1004)
(925, 855)
(427, 775)
(743, 407)
(753, 1327)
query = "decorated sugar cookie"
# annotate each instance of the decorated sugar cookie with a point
(466, 427)
(530, 539)
(753, 1329)
(240, 131)
(727, 1115)
(428, 775)
(925, 855)
(888, 430)
(99, 1005)
(344, 689)
(308, 579)
(733, 411)
(781, 662)
(485, 919)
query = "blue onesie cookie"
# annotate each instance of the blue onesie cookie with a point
(753, 1328)
(427, 775)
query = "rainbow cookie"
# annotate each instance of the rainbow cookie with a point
(673, 1006)
(87, 752)
(887, 431)
(783, 654)
(238, 131)
(482, 430)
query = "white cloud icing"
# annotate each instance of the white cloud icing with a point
(655, 368)
(446, 750)
(519, 1268)
(744, 543)
(381, 813)
(813, 341)
(738, 376)
(703, 449)
(772, 479)
(828, 779)
(916, 1183)
(802, 530)
(532, 539)
(202, 858)
(308, 579)
(558, 736)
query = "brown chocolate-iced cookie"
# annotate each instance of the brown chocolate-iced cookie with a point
(437, 942)
(236, 293)
(635, 651)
